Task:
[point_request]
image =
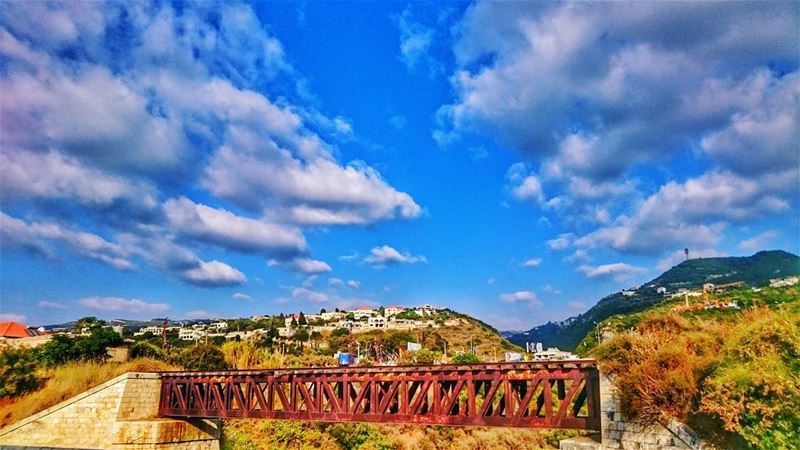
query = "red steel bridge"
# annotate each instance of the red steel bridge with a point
(547, 394)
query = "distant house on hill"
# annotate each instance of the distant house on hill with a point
(393, 310)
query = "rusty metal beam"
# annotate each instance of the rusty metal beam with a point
(552, 394)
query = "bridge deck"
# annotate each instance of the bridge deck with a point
(548, 394)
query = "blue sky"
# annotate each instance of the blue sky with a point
(515, 161)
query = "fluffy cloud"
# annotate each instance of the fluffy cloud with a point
(693, 213)
(319, 192)
(35, 236)
(533, 262)
(302, 293)
(615, 271)
(214, 274)
(521, 297)
(387, 256)
(54, 176)
(242, 296)
(524, 187)
(759, 241)
(227, 230)
(303, 265)
(594, 93)
(12, 317)
(415, 41)
(162, 252)
(353, 284)
(118, 304)
(191, 102)
(561, 242)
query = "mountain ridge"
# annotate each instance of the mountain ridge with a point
(755, 270)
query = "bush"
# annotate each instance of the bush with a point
(146, 350)
(465, 358)
(360, 436)
(58, 351)
(61, 349)
(755, 390)
(426, 356)
(202, 358)
(17, 372)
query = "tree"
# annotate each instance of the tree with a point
(382, 311)
(301, 336)
(302, 319)
(90, 323)
(340, 332)
(57, 351)
(426, 356)
(322, 311)
(93, 347)
(17, 372)
(293, 323)
(203, 357)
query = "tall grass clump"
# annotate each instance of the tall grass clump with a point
(64, 382)
(741, 374)
(755, 389)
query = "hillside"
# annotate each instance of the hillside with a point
(728, 365)
(755, 271)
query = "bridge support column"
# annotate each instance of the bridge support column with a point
(119, 414)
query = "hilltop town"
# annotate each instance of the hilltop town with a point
(359, 320)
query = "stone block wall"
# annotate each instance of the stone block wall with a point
(618, 432)
(119, 414)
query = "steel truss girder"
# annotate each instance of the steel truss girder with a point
(553, 394)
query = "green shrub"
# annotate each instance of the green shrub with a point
(146, 350)
(755, 391)
(58, 351)
(17, 372)
(360, 436)
(202, 358)
(465, 358)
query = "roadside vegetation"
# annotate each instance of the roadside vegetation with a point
(297, 435)
(61, 383)
(732, 374)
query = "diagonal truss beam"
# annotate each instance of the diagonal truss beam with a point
(552, 394)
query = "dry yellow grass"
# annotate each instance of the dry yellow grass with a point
(70, 380)
(489, 346)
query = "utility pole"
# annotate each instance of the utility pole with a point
(164, 334)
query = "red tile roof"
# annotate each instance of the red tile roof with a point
(13, 330)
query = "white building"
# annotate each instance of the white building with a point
(376, 322)
(781, 282)
(333, 315)
(155, 330)
(286, 332)
(393, 310)
(312, 317)
(219, 326)
(553, 353)
(426, 309)
(661, 290)
(363, 312)
(189, 334)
